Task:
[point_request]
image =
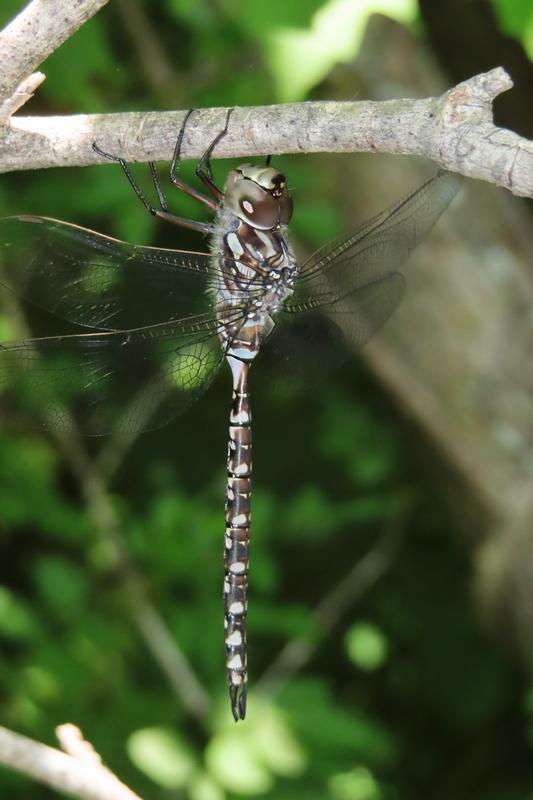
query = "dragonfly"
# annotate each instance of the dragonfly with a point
(159, 323)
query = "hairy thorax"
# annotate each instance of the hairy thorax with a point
(258, 272)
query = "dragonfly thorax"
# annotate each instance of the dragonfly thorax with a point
(256, 267)
(258, 196)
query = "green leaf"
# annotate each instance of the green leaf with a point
(359, 439)
(247, 758)
(277, 744)
(300, 59)
(366, 646)
(514, 16)
(234, 763)
(260, 18)
(203, 788)
(163, 756)
(359, 784)
(333, 730)
(77, 69)
(62, 586)
(16, 617)
(41, 684)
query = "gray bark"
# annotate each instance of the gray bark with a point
(77, 776)
(40, 28)
(455, 130)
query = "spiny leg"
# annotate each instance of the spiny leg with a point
(205, 161)
(162, 213)
(173, 171)
(131, 180)
(157, 184)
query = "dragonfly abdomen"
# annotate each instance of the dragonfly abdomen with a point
(237, 536)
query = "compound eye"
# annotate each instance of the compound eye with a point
(259, 207)
(285, 209)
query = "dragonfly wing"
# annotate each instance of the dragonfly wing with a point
(93, 280)
(108, 381)
(312, 344)
(355, 279)
(349, 288)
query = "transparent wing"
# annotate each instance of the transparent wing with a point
(307, 346)
(355, 279)
(349, 288)
(123, 380)
(96, 281)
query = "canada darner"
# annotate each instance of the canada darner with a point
(165, 320)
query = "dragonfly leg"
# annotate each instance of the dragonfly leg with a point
(127, 172)
(183, 222)
(162, 213)
(173, 171)
(203, 168)
(167, 215)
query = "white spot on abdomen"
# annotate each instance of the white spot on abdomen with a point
(235, 662)
(234, 639)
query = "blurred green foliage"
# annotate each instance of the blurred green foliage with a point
(404, 697)
(516, 19)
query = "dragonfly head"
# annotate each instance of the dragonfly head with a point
(259, 196)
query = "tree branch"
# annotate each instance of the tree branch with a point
(79, 772)
(455, 130)
(37, 31)
(20, 96)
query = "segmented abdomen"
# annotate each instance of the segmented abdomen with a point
(236, 540)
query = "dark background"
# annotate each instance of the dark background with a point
(406, 689)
